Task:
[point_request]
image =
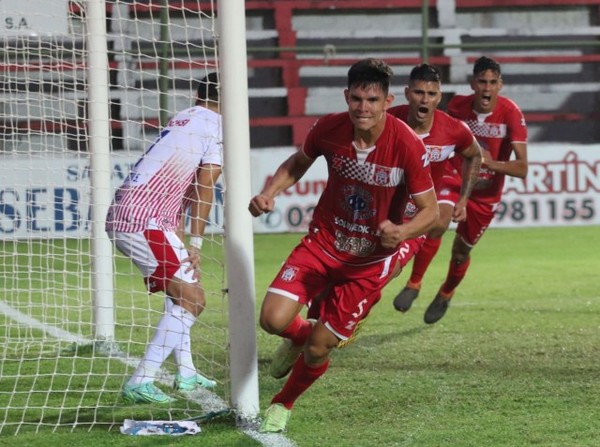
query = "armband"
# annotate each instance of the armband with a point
(196, 242)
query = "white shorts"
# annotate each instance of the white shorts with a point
(157, 254)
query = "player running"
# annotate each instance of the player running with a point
(443, 137)
(499, 126)
(374, 161)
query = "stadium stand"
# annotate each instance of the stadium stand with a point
(555, 85)
(299, 51)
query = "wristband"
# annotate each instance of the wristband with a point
(196, 242)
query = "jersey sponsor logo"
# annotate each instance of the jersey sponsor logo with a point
(351, 226)
(289, 273)
(356, 246)
(357, 202)
(177, 123)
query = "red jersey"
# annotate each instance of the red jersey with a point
(364, 187)
(447, 135)
(495, 132)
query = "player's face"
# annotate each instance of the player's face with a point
(367, 106)
(486, 86)
(423, 98)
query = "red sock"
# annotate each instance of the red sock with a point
(301, 378)
(297, 331)
(424, 258)
(456, 273)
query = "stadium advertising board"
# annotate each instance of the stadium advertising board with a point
(46, 197)
(33, 17)
(561, 188)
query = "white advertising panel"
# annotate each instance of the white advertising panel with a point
(561, 188)
(33, 17)
(45, 197)
(49, 197)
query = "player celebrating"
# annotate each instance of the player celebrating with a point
(146, 223)
(443, 137)
(374, 161)
(499, 126)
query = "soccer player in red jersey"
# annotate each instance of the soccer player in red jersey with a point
(374, 162)
(444, 137)
(499, 126)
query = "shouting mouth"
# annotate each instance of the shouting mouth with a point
(486, 100)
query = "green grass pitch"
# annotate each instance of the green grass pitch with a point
(513, 363)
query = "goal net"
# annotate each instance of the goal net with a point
(56, 372)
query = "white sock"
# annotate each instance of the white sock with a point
(169, 333)
(183, 351)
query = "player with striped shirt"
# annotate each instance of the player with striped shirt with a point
(146, 223)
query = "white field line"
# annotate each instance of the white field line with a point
(207, 399)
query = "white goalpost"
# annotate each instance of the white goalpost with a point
(84, 89)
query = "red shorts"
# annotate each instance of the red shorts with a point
(409, 248)
(479, 217)
(351, 291)
(479, 214)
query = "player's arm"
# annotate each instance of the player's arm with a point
(515, 168)
(391, 234)
(288, 173)
(202, 198)
(472, 157)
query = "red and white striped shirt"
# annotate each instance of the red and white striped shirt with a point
(158, 185)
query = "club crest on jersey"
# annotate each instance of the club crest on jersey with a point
(434, 153)
(289, 273)
(381, 175)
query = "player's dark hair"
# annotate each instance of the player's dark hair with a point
(368, 72)
(484, 64)
(208, 88)
(425, 72)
